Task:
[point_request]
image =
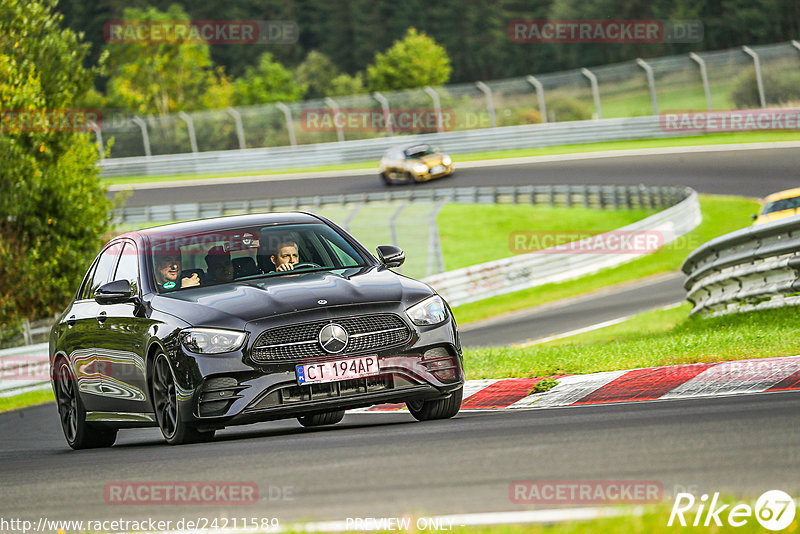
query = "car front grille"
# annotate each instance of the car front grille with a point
(295, 342)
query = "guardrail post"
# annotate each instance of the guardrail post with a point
(704, 76)
(651, 82)
(26, 332)
(595, 91)
(287, 115)
(145, 138)
(489, 102)
(98, 137)
(569, 196)
(434, 244)
(189, 126)
(437, 108)
(552, 194)
(387, 112)
(759, 80)
(586, 203)
(539, 95)
(237, 119)
(331, 103)
(615, 192)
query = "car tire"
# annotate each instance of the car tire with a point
(72, 414)
(322, 418)
(385, 179)
(428, 410)
(165, 403)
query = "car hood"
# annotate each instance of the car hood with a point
(234, 304)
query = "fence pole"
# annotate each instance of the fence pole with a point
(237, 119)
(352, 215)
(189, 126)
(486, 90)
(434, 244)
(331, 103)
(387, 112)
(145, 138)
(759, 80)
(704, 76)
(26, 332)
(595, 91)
(287, 114)
(437, 108)
(98, 137)
(539, 95)
(651, 82)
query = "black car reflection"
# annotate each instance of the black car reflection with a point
(200, 325)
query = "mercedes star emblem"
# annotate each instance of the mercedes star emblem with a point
(333, 338)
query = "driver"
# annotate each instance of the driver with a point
(285, 256)
(168, 270)
(220, 268)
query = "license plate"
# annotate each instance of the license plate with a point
(437, 169)
(315, 373)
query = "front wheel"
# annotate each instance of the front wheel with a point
(79, 433)
(165, 402)
(428, 410)
(323, 418)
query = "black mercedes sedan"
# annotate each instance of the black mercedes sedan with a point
(200, 325)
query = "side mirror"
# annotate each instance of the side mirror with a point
(391, 256)
(116, 292)
(754, 217)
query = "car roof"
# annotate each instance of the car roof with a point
(404, 147)
(780, 195)
(224, 223)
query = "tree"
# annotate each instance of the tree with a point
(317, 72)
(53, 208)
(415, 61)
(268, 82)
(161, 78)
(344, 85)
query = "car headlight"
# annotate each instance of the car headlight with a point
(212, 340)
(446, 160)
(420, 167)
(430, 311)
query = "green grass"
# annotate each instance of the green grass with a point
(654, 338)
(22, 400)
(721, 215)
(475, 233)
(714, 139)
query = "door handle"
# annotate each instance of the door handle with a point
(71, 321)
(101, 317)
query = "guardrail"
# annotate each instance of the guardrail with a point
(463, 141)
(750, 269)
(561, 195)
(544, 266)
(24, 369)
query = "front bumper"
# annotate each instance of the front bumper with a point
(221, 390)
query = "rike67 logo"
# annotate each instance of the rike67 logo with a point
(774, 510)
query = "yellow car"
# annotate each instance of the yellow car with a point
(779, 205)
(414, 163)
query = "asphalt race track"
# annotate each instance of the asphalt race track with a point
(752, 173)
(386, 464)
(379, 465)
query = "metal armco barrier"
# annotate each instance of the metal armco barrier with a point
(750, 269)
(463, 141)
(24, 369)
(532, 269)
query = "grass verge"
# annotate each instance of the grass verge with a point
(654, 338)
(713, 139)
(23, 400)
(721, 215)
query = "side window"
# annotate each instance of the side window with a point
(105, 267)
(86, 288)
(128, 268)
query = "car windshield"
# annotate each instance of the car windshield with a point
(418, 151)
(226, 255)
(780, 205)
